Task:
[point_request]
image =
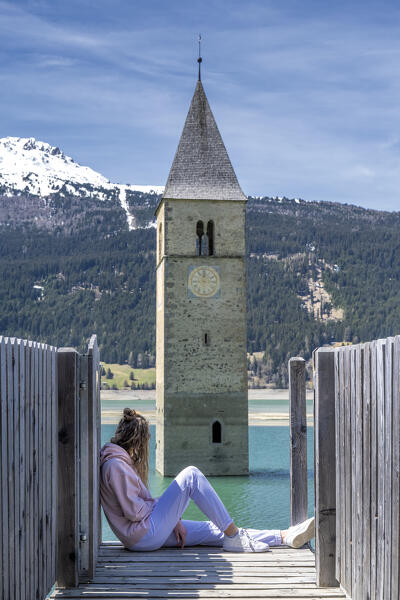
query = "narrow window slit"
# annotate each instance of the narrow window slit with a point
(210, 237)
(216, 432)
(199, 237)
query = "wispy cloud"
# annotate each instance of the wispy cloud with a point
(306, 97)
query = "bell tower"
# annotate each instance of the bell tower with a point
(202, 408)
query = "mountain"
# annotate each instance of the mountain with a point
(74, 259)
(39, 178)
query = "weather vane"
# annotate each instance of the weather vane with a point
(199, 60)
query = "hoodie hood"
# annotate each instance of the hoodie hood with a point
(111, 450)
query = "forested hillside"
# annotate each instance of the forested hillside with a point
(317, 273)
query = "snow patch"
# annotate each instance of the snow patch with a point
(124, 204)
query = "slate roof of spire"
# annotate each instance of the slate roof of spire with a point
(201, 169)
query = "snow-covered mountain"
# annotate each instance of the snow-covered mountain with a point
(29, 166)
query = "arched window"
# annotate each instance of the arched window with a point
(160, 242)
(199, 235)
(210, 235)
(216, 432)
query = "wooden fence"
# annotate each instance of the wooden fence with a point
(33, 429)
(28, 468)
(357, 468)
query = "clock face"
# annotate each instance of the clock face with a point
(204, 281)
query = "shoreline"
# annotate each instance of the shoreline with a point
(254, 394)
(262, 418)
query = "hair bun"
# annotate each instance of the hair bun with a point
(129, 414)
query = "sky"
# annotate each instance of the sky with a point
(306, 94)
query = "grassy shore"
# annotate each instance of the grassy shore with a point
(122, 373)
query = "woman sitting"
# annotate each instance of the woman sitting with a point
(143, 523)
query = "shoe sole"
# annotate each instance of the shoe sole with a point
(304, 536)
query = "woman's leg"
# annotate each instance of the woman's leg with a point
(189, 484)
(205, 533)
(198, 533)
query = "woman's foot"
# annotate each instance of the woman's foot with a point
(242, 542)
(298, 535)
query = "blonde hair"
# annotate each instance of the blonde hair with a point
(133, 435)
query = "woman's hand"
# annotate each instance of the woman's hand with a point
(180, 533)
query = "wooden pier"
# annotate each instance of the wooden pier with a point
(201, 572)
(50, 526)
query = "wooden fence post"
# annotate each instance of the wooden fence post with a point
(298, 441)
(325, 466)
(68, 469)
(94, 433)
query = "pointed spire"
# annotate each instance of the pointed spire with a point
(201, 169)
(199, 60)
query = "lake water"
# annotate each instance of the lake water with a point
(260, 500)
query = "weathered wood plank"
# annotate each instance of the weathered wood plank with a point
(353, 481)
(212, 593)
(380, 548)
(346, 416)
(49, 495)
(276, 553)
(11, 467)
(338, 472)
(325, 467)
(43, 470)
(94, 440)
(115, 548)
(255, 573)
(54, 453)
(68, 481)
(20, 466)
(129, 586)
(298, 441)
(84, 467)
(4, 470)
(387, 468)
(192, 582)
(395, 538)
(340, 466)
(137, 559)
(36, 466)
(15, 461)
(176, 571)
(374, 467)
(28, 467)
(366, 480)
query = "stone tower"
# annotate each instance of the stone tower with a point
(202, 412)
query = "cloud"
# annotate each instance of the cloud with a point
(306, 100)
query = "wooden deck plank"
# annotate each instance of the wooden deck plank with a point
(292, 592)
(201, 573)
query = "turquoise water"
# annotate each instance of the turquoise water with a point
(260, 500)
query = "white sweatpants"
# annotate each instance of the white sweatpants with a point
(191, 484)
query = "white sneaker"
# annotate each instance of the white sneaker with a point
(300, 534)
(242, 542)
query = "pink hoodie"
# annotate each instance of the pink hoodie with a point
(126, 501)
